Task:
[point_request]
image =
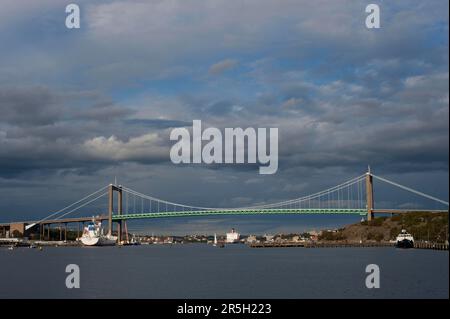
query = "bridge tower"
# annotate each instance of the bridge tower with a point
(113, 188)
(119, 212)
(369, 194)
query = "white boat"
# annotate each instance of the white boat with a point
(134, 242)
(404, 240)
(232, 237)
(93, 236)
(216, 243)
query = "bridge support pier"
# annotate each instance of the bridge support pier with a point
(369, 195)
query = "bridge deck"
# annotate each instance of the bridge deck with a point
(296, 211)
(239, 212)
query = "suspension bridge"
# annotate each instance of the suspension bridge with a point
(355, 196)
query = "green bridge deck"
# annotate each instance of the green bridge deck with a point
(361, 212)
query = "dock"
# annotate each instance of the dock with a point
(19, 242)
(275, 244)
(428, 245)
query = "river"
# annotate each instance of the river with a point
(236, 271)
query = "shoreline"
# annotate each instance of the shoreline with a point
(18, 243)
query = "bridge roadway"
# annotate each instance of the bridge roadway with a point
(332, 211)
(271, 211)
(117, 217)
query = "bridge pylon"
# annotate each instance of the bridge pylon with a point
(369, 195)
(113, 188)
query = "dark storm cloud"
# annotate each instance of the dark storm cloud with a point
(157, 123)
(41, 130)
(35, 106)
(105, 111)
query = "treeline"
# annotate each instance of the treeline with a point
(423, 226)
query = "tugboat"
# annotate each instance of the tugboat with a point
(93, 236)
(404, 240)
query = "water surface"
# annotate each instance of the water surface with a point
(236, 271)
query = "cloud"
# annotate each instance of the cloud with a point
(44, 130)
(105, 111)
(222, 66)
(143, 148)
(34, 106)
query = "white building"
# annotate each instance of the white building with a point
(251, 239)
(232, 237)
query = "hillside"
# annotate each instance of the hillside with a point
(423, 226)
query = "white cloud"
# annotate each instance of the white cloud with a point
(146, 147)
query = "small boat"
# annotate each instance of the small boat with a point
(216, 243)
(32, 246)
(134, 242)
(11, 247)
(404, 240)
(215, 240)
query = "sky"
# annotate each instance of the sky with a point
(81, 107)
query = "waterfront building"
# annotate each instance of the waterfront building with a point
(251, 239)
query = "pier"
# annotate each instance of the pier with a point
(417, 245)
(428, 245)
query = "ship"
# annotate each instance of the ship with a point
(232, 237)
(404, 240)
(93, 236)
